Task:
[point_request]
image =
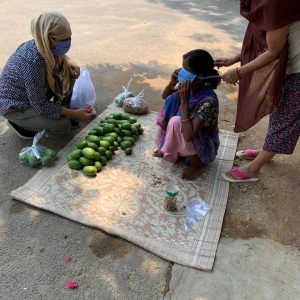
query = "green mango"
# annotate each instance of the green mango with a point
(98, 166)
(75, 154)
(75, 164)
(89, 170)
(86, 161)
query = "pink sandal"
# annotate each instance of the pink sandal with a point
(248, 154)
(241, 175)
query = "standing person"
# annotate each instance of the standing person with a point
(269, 79)
(188, 122)
(37, 81)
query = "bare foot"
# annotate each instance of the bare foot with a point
(191, 173)
(157, 153)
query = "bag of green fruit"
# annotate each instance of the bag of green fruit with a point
(125, 94)
(36, 155)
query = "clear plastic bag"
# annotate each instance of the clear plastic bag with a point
(125, 94)
(195, 211)
(37, 156)
(84, 94)
(136, 105)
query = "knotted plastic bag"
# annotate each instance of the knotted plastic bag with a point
(125, 94)
(36, 155)
(136, 105)
(195, 211)
(84, 94)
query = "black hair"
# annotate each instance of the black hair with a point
(202, 64)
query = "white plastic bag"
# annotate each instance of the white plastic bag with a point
(195, 211)
(84, 94)
(125, 94)
(36, 156)
(136, 105)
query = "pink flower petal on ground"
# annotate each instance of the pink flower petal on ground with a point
(67, 259)
(72, 284)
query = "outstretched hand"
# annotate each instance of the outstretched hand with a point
(230, 76)
(223, 62)
(184, 92)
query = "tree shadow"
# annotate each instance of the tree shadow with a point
(223, 14)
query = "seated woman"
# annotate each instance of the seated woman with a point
(188, 122)
(37, 81)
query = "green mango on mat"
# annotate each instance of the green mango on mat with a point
(128, 151)
(134, 130)
(132, 120)
(104, 144)
(126, 132)
(89, 170)
(98, 166)
(109, 154)
(75, 154)
(93, 146)
(129, 139)
(93, 139)
(99, 130)
(82, 144)
(97, 156)
(103, 160)
(125, 145)
(102, 150)
(75, 164)
(88, 152)
(86, 161)
(92, 132)
(108, 128)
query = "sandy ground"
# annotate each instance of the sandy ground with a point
(144, 40)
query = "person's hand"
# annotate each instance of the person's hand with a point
(174, 77)
(230, 76)
(224, 62)
(184, 92)
(82, 115)
(74, 68)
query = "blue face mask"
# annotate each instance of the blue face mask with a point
(62, 47)
(184, 74)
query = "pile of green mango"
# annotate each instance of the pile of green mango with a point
(117, 130)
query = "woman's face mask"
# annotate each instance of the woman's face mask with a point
(62, 47)
(184, 75)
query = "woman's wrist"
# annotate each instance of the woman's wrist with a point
(66, 112)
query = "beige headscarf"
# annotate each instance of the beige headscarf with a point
(52, 26)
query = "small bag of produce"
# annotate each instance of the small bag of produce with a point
(36, 156)
(136, 105)
(125, 94)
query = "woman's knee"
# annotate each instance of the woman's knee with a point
(60, 127)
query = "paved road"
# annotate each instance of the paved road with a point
(144, 40)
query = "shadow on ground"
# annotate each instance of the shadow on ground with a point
(222, 14)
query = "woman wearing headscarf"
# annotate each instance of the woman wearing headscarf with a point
(269, 81)
(37, 81)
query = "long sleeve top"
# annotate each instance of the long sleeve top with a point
(23, 82)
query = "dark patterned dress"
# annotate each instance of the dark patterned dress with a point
(284, 125)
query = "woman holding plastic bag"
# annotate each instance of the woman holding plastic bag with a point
(37, 81)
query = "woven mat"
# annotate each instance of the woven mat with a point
(126, 197)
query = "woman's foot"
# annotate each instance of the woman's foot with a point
(191, 173)
(243, 174)
(249, 154)
(157, 153)
(194, 170)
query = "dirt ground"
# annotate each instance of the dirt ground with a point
(269, 208)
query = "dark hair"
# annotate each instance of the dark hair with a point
(202, 64)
